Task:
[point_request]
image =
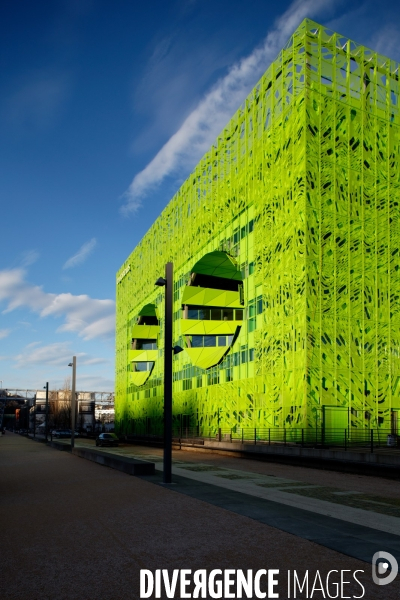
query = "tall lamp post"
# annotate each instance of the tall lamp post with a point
(34, 417)
(169, 351)
(46, 387)
(73, 365)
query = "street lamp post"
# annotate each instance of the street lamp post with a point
(168, 282)
(73, 365)
(47, 410)
(34, 417)
(169, 352)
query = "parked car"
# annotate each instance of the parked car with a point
(107, 439)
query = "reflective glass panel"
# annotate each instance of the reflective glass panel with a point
(209, 341)
(143, 366)
(197, 341)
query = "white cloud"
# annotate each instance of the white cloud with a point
(89, 317)
(386, 40)
(57, 354)
(202, 126)
(4, 333)
(29, 257)
(81, 255)
(96, 383)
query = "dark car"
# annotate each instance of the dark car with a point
(107, 439)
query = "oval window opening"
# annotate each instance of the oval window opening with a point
(144, 343)
(212, 305)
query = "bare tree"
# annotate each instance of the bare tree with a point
(60, 406)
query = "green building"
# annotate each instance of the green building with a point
(285, 243)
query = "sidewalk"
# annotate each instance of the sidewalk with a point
(376, 460)
(318, 502)
(73, 529)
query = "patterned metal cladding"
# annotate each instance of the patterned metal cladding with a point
(302, 189)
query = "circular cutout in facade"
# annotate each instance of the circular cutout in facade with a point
(212, 305)
(143, 352)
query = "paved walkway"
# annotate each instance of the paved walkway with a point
(375, 505)
(73, 529)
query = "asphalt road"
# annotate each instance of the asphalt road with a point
(73, 529)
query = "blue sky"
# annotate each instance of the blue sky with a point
(105, 108)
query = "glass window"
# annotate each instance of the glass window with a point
(197, 341)
(251, 225)
(259, 305)
(229, 340)
(227, 314)
(143, 366)
(236, 236)
(146, 345)
(209, 341)
(204, 314)
(251, 354)
(251, 268)
(222, 340)
(215, 314)
(193, 313)
(238, 315)
(243, 232)
(252, 309)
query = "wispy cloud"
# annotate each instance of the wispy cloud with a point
(377, 30)
(89, 317)
(81, 255)
(204, 123)
(57, 354)
(386, 40)
(29, 258)
(4, 333)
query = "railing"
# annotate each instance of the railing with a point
(297, 437)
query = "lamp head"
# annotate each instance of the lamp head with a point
(161, 282)
(70, 364)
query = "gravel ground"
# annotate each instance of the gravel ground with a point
(73, 529)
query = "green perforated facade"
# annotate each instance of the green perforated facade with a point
(285, 240)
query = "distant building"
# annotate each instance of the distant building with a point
(60, 407)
